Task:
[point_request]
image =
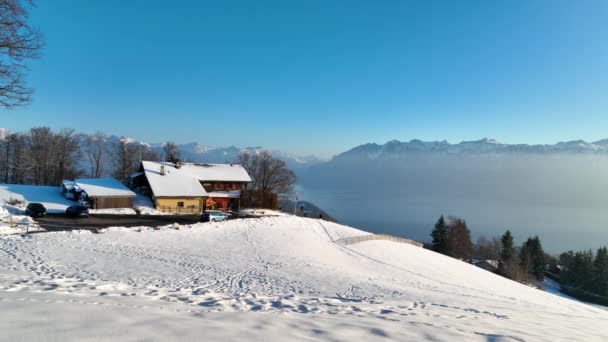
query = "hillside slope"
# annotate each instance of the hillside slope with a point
(280, 277)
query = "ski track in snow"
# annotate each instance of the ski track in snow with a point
(285, 265)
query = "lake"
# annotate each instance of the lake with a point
(399, 213)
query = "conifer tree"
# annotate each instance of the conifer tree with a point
(600, 272)
(440, 237)
(507, 255)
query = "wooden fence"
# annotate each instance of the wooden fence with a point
(180, 210)
(362, 238)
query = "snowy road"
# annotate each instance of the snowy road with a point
(284, 275)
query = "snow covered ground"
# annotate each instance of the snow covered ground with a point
(49, 196)
(113, 211)
(273, 278)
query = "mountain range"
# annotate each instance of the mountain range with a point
(395, 148)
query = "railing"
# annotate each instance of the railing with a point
(179, 210)
(362, 238)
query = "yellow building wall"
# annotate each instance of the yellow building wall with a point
(170, 204)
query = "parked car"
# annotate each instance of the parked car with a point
(213, 216)
(35, 210)
(77, 211)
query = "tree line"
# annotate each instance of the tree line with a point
(453, 238)
(585, 274)
(42, 156)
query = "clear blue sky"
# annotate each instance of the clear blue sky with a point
(322, 76)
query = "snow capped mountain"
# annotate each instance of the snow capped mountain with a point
(197, 152)
(394, 148)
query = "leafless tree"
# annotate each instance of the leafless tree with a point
(268, 173)
(171, 152)
(126, 157)
(486, 249)
(13, 158)
(40, 151)
(147, 153)
(18, 43)
(66, 155)
(460, 239)
(95, 150)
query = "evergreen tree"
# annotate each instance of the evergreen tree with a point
(507, 256)
(532, 257)
(600, 272)
(440, 237)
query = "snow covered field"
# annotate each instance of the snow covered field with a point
(49, 196)
(273, 278)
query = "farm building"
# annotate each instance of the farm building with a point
(190, 187)
(100, 193)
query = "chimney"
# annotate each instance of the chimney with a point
(162, 169)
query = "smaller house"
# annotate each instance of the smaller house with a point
(100, 193)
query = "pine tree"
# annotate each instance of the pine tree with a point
(538, 258)
(507, 255)
(600, 272)
(532, 257)
(440, 237)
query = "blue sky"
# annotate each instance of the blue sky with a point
(319, 77)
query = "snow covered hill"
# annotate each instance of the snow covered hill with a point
(280, 278)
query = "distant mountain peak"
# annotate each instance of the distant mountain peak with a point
(395, 148)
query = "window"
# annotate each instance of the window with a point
(180, 204)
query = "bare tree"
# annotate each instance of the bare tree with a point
(18, 43)
(460, 238)
(126, 157)
(13, 166)
(146, 153)
(40, 152)
(95, 149)
(268, 173)
(171, 152)
(486, 249)
(66, 155)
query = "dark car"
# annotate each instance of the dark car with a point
(205, 217)
(35, 210)
(77, 211)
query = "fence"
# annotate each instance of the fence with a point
(362, 238)
(180, 210)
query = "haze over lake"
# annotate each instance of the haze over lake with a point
(561, 197)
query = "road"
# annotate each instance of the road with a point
(94, 222)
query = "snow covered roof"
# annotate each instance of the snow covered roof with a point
(214, 172)
(103, 187)
(175, 182)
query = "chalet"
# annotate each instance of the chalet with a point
(192, 187)
(98, 193)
